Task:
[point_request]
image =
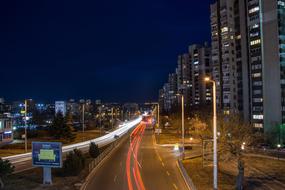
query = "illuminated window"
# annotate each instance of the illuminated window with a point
(254, 34)
(281, 3)
(255, 75)
(257, 100)
(255, 42)
(225, 29)
(255, 26)
(257, 117)
(255, 9)
(258, 125)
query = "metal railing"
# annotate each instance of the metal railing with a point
(94, 163)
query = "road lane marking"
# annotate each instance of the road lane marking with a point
(167, 173)
(115, 178)
(175, 186)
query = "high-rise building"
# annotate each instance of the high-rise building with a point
(188, 80)
(183, 73)
(173, 89)
(266, 42)
(201, 67)
(226, 71)
(248, 56)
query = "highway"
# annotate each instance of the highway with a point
(138, 164)
(24, 161)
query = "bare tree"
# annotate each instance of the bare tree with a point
(199, 128)
(234, 137)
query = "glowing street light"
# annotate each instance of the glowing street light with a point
(215, 168)
(182, 124)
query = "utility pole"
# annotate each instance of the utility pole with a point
(182, 124)
(112, 112)
(26, 139)
(100, 116)
(158, 115)
(83, 117)
(215, 157)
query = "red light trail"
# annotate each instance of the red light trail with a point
(136, 137)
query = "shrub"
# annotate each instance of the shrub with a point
(74, 163)
(6, 168)
(94, 150)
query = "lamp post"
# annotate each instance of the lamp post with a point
(182, 124)
(112, 113)
(26, 139)
(215, 168)
(157, 114)
(83, 119)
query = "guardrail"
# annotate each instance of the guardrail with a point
(185, 176)
(102, 155)
(94, 163)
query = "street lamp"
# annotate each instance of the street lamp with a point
(26, 139)
(182, 124)
(215, 168)
(157, 104)
(83, 118)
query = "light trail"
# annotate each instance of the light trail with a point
(136, 137)
(100, 141)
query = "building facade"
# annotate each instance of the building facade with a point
(229, 54)
(60, 107)
(6, 131)
(248, 53)
(201, 67)
(266, 42)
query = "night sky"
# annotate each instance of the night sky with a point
(100, 49)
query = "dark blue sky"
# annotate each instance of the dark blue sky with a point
(108, 49)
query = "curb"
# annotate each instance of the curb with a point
(188, 181)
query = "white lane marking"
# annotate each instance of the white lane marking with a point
(115, 178)
(167, 172)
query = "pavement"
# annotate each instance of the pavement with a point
(138, 164)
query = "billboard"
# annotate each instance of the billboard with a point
(47, 154)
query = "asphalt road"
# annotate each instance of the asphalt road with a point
(138, 164)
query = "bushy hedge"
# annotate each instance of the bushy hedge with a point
(94, 150)
(74, 163)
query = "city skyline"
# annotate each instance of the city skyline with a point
(58, 50)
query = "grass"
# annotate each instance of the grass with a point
(255, 170)
(273, 168)
(13, 149)
(170, 136)
(202, 177)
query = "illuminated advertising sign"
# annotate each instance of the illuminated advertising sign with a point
(47, 154)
